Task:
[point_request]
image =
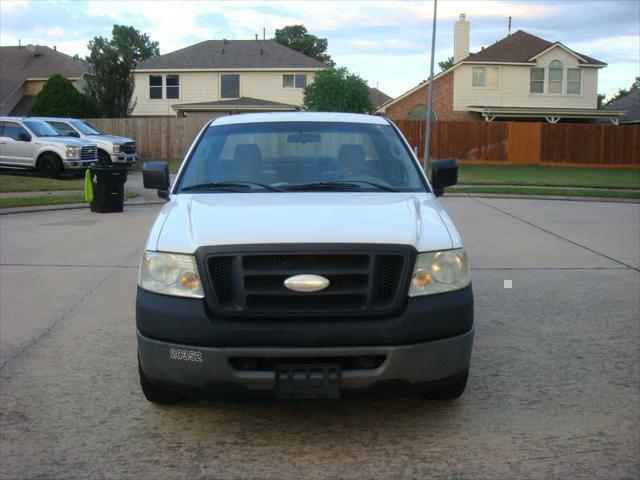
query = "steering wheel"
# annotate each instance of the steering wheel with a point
(356, 172)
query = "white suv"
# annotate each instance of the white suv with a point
(34, 144)
(111, 148)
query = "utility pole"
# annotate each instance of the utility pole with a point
(427, 139)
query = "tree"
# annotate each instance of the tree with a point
(297, 38)
(623, 92)
(337, 90)
(112, 62)
(601, 100)
(446, 64)
(59, 98)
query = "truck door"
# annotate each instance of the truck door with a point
(18, 145)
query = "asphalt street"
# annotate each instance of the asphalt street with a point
(553, 393)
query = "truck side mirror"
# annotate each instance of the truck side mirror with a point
(23, 137)
(71, 133)
(155, 175)
(444, 173)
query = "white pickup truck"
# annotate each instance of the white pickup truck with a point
(111, 148)
(303, 255)
(28, 143)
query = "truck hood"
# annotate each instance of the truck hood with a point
(109, 138)
(71, 141)
(189, 221)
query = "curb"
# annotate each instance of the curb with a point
(542, 197)
(68, 206)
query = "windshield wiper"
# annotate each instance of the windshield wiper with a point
(338, 185)
(224, 185)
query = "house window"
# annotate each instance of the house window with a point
(298, 80)
(155, 87)
(230, 85)
(536, 84)
(485, 77)
(555, 76)
(574, 81)
(173, 86)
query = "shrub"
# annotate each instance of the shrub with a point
(59, 98)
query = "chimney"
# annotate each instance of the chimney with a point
(461, 39)
(55, 49)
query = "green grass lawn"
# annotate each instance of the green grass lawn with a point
(562, 192)
(28, 183)
(549, 176)
(174, 164)
(37, 200)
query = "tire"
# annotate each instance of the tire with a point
(50, 166)
(104, 158)
(156, 394)
(451, 390)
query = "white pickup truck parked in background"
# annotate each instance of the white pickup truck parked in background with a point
(33, 144)
(111, 148)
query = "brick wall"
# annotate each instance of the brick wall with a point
(442, 101)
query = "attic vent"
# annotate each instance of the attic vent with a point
(33, 50)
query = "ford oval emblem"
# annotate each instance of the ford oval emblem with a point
(306, 283)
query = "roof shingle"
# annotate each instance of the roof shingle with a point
(17, 64)
(520, 47)
(232, 54)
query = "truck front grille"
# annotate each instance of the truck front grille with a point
(129, 148)
(371, 282)
(88, 153)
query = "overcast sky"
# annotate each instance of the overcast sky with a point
(385, 42)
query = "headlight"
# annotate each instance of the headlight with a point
(73, 152)
(437, 272)
(170, 274)
(117, 148)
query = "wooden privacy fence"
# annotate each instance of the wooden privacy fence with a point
(163, 138)
(157, 138)
(528, 143)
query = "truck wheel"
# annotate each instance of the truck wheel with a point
(50, 166)
(450, 391)
(104, 158)
(156, 394)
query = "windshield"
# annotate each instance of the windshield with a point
(298, 156)
(41, 129)
(85, 128)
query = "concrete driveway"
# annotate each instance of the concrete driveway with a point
(553, 393)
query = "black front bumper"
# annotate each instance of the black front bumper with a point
(190, 322)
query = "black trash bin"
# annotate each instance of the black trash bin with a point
(108, 188)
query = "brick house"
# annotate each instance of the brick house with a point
(519, 77)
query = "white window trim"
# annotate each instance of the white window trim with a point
(164, 90)
(544, 82)
(563, 87)
(220, 75)
(579, 94)
(294, 80)
(161, 87)
(497, 87)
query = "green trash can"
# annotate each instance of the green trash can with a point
(104, 189)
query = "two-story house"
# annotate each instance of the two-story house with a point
(223, 77)
(519, 77)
